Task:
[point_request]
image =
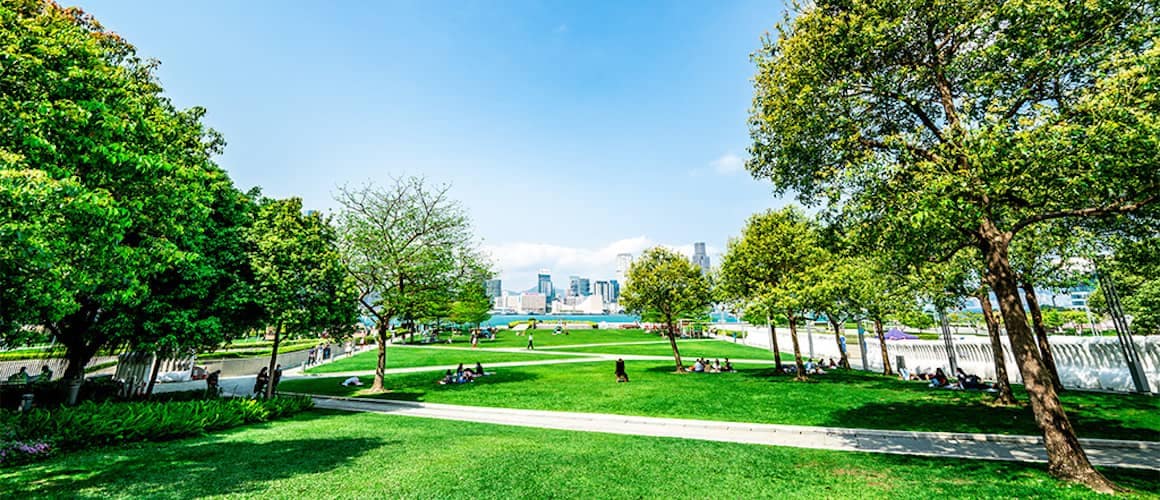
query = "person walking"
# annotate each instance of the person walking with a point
(276, 379)
(261, 381)
(621, 374)
(531, 344)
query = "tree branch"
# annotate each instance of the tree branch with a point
(1119, 208)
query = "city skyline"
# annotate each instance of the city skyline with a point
(523, 267)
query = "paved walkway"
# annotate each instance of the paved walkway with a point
(1102, 452)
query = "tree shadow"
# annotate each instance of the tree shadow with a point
(188, 470)
(974, 417)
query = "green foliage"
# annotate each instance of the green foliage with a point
(299, 277)
(116, 227)
(471, 306)
(409, 248)
(665, 283)
(102, 424)
(914, 319)
(770, 262)
(1144, 306)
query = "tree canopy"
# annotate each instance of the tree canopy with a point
(664, 284)
(961, 123)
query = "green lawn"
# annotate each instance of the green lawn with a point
(359, 455)
(839, 399)
(545, 338)
(405, 357)
(690, 349)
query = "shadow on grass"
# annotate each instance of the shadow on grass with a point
(187, 470)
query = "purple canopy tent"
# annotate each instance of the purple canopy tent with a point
(897, 334)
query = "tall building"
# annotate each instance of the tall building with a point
(614, 285)
(700, 258)
(623, 262)
(544, 286)
(604, 290)
(494, 288)
(579, 287)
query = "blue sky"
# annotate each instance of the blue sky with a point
(571, 131)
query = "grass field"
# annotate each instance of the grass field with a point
(337, 455)
(690, 349)
(545, 338)
(839, 399)
(405, 357)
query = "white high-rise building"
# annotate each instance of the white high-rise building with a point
(623, 262)
(700, 258)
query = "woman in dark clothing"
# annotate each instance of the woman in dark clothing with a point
(621, 374)
(262, 380)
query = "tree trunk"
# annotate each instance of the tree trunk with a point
(844, 362)
(882, 345)
(1065, 457)
(773, 343)
(273, 360)
(673, 344)
(1001, 377)
(797, 352)
(1041, 333)
(153, 375)
(381, 364)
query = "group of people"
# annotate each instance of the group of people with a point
(265, 378)
(22, 376)
(463, 375)
(939, 380)
(812, 367)
(317, 354)
(704, 366)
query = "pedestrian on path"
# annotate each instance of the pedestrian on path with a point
(621, 374)
(276, 379)
(261, 381)
(531, 345)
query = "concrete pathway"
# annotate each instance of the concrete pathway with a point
(1102, 452)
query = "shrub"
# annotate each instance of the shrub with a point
(38, 433)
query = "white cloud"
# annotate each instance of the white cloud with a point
(518, 263)
(728, 164)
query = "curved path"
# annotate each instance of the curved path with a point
(1102, 452)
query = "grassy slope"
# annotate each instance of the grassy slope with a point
(404, 357)
(839, 399)
(333, 455)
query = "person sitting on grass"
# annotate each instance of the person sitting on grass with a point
(728, 366)
(939, 379)
(479, 370)
(698, 367)
(716, 366)
(352, 381)
(448, 378)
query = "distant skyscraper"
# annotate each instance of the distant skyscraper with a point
(615, 286)
(604, 290)
(545, 285)
(494, 288)
(579, 287)
(623, 262)
(700, 258)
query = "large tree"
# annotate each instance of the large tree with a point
(300, 280)
(107, 188)
(406, 246)
(961, 123)
(666, 285)
(771, 262)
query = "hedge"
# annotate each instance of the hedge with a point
(40, 433)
